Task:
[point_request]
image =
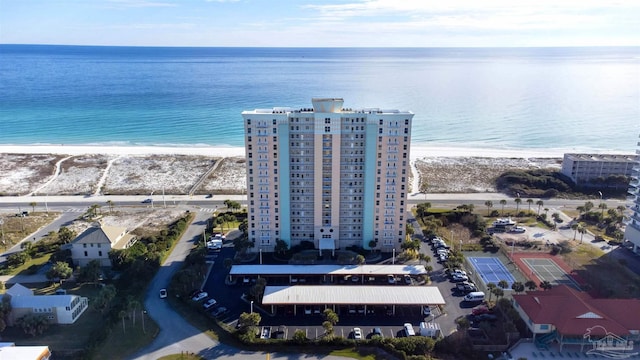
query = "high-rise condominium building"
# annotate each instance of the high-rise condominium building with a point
(331, 176)
(632, 232)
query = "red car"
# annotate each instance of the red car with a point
(480, 309)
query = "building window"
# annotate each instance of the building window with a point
(544, 327)
(86, 254)
(84, 245)
(100, 253)
(248, 121)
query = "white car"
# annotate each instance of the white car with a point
(199, 296)
(391, 279)
(163, 293)
(357, 333)
(209, 303)
(459, 277)
(426, 311)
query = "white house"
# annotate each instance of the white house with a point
(96, 242)
(9, 351)
(59, 309)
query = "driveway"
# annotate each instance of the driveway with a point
(176, 334)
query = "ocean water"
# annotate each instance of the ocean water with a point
(577, 99)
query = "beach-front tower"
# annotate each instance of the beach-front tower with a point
(327, 175)
(632, 232)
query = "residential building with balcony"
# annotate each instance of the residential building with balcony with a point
(632, 231)
(592, 169)
(328, 175)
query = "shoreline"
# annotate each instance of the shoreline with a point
(417, 152)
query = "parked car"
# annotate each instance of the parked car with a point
(407, 279)
(391, 279)
(209, 303)
(484, 317)
(459, 278)
(480, 309)
(219, 311)
(466, 287)
(357, 333)
(426, 311)
(442, 258)
(377, 332)
(456, 271)
(163, 293)
(307, 310)
(201, 295)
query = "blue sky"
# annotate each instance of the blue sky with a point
(289, 23)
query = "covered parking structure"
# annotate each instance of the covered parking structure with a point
(332, 296)
(326, 273)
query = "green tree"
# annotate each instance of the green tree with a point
(299, 336)
(574, 227)
(503, 284)
(281, 247)
(424, 257)
(122, 315)
(248, 322)
(60, 270)
(602, 206)
(90, 273)
(517, 287)
(110, 204)
(531, 285)
(546, 285)
(489, 205)
(491, 286)
(503, 202)
(330, 316)
(588, 206)
(328, 327)
(498, 292)
(65, 235)
(540, 204)
(33, 324)
(360, 260)
(518, 201)
(33, 206)
(529, 202)
(423, 209)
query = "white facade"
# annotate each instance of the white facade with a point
(96, 242)
(332, 176)
(632, 232)
(583, 169)
(58, 309)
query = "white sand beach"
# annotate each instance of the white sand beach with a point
(27, 170)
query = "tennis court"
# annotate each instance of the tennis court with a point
(548, 270)
(491, 270)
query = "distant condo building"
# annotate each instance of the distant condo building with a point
(592, 169)
(632, 232)
(331, 176)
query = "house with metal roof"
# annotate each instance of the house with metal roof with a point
(96, 242)
(58, 309)
(571, 317)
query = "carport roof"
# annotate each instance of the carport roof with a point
(365, 270)
(352, 294)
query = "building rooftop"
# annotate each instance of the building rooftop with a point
(366, 270)
(356, 294)
(602, 157)
(573, 312)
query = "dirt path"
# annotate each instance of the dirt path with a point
(53, 178)
(103, 179)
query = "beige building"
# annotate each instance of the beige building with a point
(585, 168)
(632, 232)
(328, 175)
(96, 242)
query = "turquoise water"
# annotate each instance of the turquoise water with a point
(540, 98)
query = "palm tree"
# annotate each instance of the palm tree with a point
(33, 206)
(621, 209)
(503, 202)
(517, 287)
(110, 204)
(518, 201)
(123, 314)
(602, 207)
(540, 204)
(588, 206)
(529, 201)
(546, 285)
(503, 284)
(490, 287)
(574, 227)
(582, 230)
(581, 210)
(531, 285)
(498, 292)
(489, 205)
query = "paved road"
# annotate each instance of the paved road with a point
(176, 334)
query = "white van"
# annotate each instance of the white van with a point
(408, 330)
(474, 296)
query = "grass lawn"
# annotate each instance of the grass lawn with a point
(16, 228)
(23, 269)
(181, 357)
(352, 353)
(124, 341)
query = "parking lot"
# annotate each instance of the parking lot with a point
(310, 321)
